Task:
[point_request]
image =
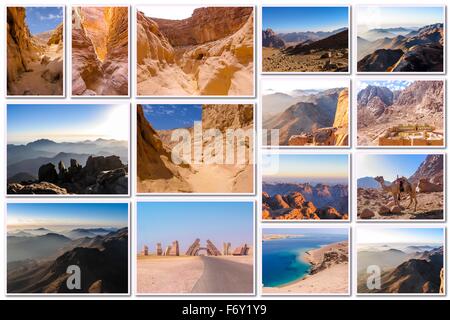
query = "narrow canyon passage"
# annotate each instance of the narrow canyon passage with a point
(100, 51)
(35, 63)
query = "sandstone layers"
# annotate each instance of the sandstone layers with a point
(34, 65)
(159, 171)
(100, 51)
(209, 53)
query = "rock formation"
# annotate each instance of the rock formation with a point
(271, 40)
(100, 51)
(294, 205)
(341, 119)
(34, 67)
(100, 175)
(161, 170)
(432, 168)
(210, 53)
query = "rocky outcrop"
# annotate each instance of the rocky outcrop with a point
(205, 25)
(365, 95)
(222, 117)
(205, 54)
(271, 40)
(295, 206)
(379, 61)
(100, 51)
(341, 119)
(432, 169)
(22, 50)
(421, 58)
(57, 36)
(100, 175)
(154, 162)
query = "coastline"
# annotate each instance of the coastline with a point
(322, 278)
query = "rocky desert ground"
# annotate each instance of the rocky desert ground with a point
(428, 184)
(329, 54)
(35, 64)
(100, 51)
(207, 54)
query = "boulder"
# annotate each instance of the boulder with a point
(47, 173)
(367, 214)
(384, 210)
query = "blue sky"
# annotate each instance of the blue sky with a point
(325, 168)
(40, 19)
(296, 19)
(67, 122)
(388, 165)
(185, 221)
(372, 17)
(172, 116)
(391, 84)
(365, 235)
(63, 216)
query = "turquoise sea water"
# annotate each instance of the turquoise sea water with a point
(282, 259)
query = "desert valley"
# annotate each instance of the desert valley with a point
(81, 248)
(400, 261)
(35, 51)
(305, 112)
(70, 149)
(206, 52)
(402, 187)
(195, 148)
(401, 113)
(305, 261)
(183, 248)
(294, 44)
(305, 187)
(100, 51)
(416, 44)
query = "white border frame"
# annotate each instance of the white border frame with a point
(64, 55)
(198, 97)
(128, 95)
(322, 153)
(394, 221)
(181, 200)
(396, 295)
(190, 194)
(317, 73)
(411, 5)
(68, 196)
(67, 201)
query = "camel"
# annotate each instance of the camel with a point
(397, 187)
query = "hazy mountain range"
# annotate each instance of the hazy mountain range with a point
(38, 260)
(27, 158)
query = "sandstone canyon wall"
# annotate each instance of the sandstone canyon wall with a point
(341, 119)
(100, 51)
(210, 53)
(34, 67)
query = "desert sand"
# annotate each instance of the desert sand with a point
(332, 279)
(209, 53)
(167, 274)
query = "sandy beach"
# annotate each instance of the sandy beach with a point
(329, 278)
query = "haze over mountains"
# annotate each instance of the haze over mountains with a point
(272, 39)
(38, 260)
(402, 49)
(27, 158)
(405, 268)
(305, 113)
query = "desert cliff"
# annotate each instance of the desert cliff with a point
(210, 53)
(100, 51)
(34, 66)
